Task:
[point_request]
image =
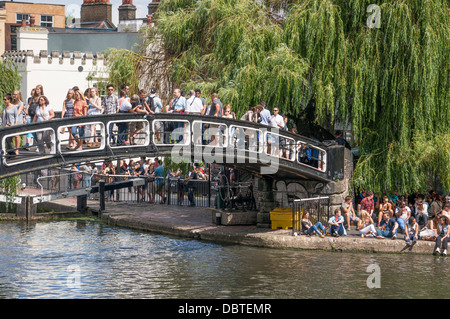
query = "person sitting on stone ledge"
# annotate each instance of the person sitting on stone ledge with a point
(421, 216)
(348, 212)
(403, 213)
(368, 203)
(336, 224)
(412, 231)
(387, 227)
(443, 236)
(385, 206)
(309, 229)
(366, 225)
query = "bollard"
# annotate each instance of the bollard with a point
(101, 190)
(82, 204)
(218, 218)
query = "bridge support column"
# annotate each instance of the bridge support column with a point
(340, 188)
(266, 201)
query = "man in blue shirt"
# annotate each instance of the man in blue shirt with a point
(336, 224)
(265, 114)
(160, 182)
(140, 171)
(387, 228)
(179, 102)
(178, 106)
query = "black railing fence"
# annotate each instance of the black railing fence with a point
(216, 193)
(317, 207)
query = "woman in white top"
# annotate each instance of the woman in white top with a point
(43, 113)
(123, 127)
(9, 118)
(412, 231)
(443, 236)
(19, 105)
(365, 225)
(95, 108)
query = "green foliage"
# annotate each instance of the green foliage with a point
(173, 164)
(10, 81)
(123, 68)
(391, 83)
(10, 78)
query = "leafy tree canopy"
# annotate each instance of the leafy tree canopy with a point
(390, 83)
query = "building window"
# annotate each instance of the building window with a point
(46, 21)
(22, 16)
(13, 37)
(13, 43)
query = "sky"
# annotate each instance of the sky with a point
(73, 7)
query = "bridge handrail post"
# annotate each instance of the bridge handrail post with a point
(168, 191)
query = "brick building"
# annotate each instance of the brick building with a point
(45, 15)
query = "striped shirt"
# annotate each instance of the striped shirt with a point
(110, 103)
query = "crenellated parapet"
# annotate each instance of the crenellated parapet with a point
(25, 58)
(57, 71)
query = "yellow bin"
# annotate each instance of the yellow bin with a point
(282, 218)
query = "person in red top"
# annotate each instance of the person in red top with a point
(367, 203)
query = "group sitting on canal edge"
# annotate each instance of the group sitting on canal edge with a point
(416, 217)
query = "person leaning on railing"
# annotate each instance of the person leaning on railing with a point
(67, 112)
(110, 105)
(79, 109)
(160, 182)
(94, 108)
(124, 107)
(138, 105)
(44, 112)
(10, 117)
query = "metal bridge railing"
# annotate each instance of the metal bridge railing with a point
(108, 135)
(156, 190)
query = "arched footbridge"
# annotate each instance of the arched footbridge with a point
(258, 149)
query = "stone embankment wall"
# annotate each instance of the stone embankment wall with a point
(271, 193)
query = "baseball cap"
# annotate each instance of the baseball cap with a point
(153, 90)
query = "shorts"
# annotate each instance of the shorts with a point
(136, 126)
(160, 187)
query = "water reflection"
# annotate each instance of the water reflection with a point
(35, 261)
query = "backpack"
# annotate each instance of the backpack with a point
(32, 109)
(151, 104)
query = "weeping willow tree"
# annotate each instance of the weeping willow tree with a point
(321, 58)
(10, 81)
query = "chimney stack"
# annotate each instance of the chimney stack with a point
(96, 11)
(127, 11)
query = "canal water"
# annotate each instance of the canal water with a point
(89, 259)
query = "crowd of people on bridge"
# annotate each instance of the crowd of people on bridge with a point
(416, 216)
(37, 108)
